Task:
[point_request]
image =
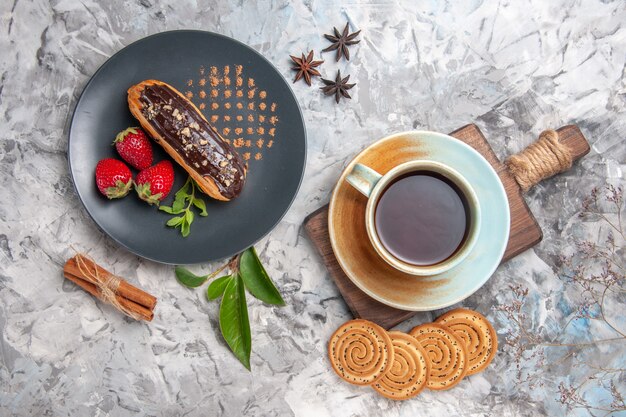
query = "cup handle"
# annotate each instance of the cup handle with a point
(363, 178)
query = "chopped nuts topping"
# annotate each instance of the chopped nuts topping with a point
(150, 112)
(195, 125)
(223, 163)
(229, 156)
(203, 142)
(204, 163)
(196, 165)
(227, 183)
(177, 115)
(186, 132)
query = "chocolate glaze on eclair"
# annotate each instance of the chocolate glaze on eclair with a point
(177, 125)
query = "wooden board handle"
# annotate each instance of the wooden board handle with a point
(573, 138)
(553, 152)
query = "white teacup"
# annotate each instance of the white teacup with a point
(372, 185)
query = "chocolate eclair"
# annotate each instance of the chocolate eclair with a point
(181, 129)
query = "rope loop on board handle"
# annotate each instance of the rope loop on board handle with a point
(540, 160)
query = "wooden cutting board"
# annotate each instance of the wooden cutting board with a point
(524, 232)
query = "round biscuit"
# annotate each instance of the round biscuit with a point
(446, 352)
(360, 352)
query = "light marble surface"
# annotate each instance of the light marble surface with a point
(513, 67)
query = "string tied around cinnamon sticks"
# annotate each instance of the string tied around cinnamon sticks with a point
(542, 159)
(107, 283)
(110, 288)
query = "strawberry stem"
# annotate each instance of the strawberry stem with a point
(119, 190)
(120, 136)
(143, 190)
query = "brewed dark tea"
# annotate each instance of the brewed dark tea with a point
(422, 218)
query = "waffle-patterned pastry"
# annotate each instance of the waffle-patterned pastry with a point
(181, 129)
(477, 334)
(360, 352)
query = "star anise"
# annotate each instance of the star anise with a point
(305, 67)
(341, 41)
(339, 87)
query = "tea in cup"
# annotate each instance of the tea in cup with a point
(422, 217)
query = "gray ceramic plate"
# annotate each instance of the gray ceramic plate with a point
(244, 96)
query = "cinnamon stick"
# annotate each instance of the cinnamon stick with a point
(133, 307)
(124, 289)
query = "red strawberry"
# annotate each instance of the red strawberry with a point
(134, 147)
(113, 178)
(154, 184)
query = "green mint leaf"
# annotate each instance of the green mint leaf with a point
(178, 205)
(216, 288)
(185, 226)
(183, 200)
(189, 217)
(175, 221)
(199, 203)
(234, 323)
(187, 278)
(170, 210)
(184, 190)
(256, 279)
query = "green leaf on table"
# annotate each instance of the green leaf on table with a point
(234, 322)
(200, 205)
(216, 288)
(256, 279)
(188, 279)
